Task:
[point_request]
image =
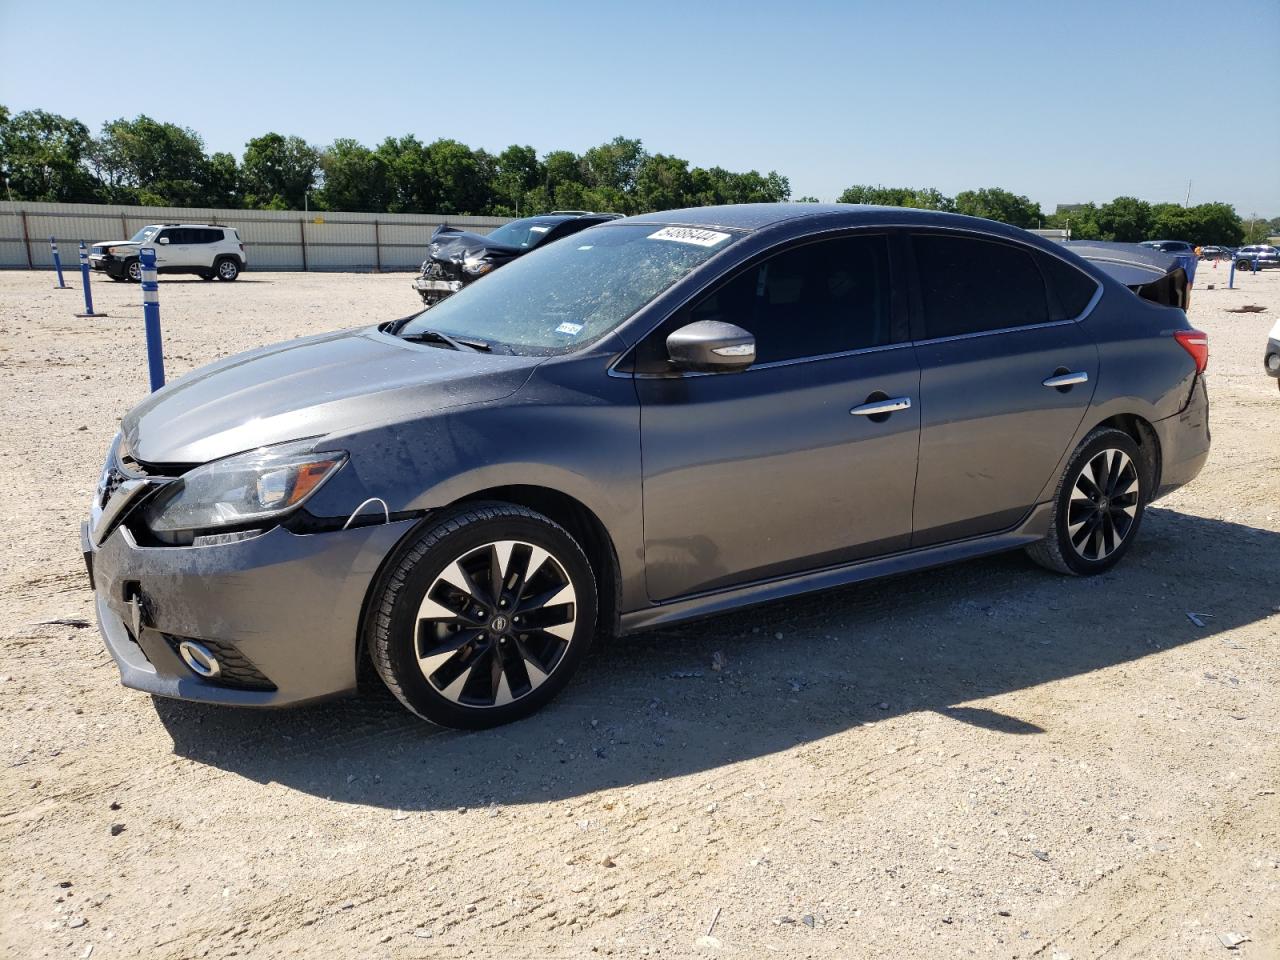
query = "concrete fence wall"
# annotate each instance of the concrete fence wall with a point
(273, 239)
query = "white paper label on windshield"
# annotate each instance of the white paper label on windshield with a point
(699, 238)
(572, 329)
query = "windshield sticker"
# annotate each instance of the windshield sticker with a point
(699, 238)
(572, 329)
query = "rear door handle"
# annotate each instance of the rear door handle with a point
(882, 407)
(1067, 379)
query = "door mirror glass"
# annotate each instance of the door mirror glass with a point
(711, 346)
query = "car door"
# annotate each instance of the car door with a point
(782, 467)
(1006, 376)
(166, 247)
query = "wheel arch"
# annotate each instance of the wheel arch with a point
(576, 517)
(1144, 435)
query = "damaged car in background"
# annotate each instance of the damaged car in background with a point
(1150, 273)
(458, 257)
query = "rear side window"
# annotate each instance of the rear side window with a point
(1070, 288)
(973, 286)
(821, 298)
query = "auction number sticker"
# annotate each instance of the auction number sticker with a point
(699, 238)
(572, 329)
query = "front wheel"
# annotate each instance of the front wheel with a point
(484, 618)
(1097, 508)
(134, 271)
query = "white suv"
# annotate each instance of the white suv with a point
(200, 248)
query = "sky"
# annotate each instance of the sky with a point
(1064, 102)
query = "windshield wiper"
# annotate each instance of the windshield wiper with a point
(457, 343)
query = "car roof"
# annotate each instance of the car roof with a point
(758, 216)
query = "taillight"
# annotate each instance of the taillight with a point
(1196, 343)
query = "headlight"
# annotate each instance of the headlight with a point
(119, 251)
(477, 268)
(258, 485)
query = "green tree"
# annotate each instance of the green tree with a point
(1125, 220)
(153, 163)
(223, 186)
(459, 175)
(411, 184)
(42, 157)
(923, 198)
(355, 178)
(993, 203)
(517, 173)
(613, 164)
(279, 171)
(663, 183)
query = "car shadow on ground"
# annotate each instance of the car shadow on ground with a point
(652, 706)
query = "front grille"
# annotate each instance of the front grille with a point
(441, 271)
(112, 477)
(237, 670)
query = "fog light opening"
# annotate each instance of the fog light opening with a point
(199, 659)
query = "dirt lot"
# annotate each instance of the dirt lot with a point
(986, 760)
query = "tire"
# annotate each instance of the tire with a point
(207, 274)
(1097, 507)
(133, 270)
(117, 278)
(227, 269)
(1244, 265)
(493, 658)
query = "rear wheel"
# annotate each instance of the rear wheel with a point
(1098, 506)
(227, 269)
(484, 618)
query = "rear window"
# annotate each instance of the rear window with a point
(969, 285)
(1071, 288)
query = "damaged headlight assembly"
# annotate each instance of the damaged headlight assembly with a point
(477, 268)
(261, 485)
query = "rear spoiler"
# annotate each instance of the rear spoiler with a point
(1151, 274)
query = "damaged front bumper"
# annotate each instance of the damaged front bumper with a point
(280, 612)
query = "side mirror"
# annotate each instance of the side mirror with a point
(711, 346)
(164, 239)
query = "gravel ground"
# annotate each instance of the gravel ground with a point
(986, 760)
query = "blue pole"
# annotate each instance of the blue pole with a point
(151, 314)
(84, 282)
(1231, 277)
(1255, 264)
(57, 263)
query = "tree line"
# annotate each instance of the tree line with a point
(44, 156)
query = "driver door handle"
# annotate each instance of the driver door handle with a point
(1067, 379)
(881, 407)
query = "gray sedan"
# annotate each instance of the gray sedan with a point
(661, 418)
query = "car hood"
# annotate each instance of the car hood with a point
(116, 243)
(449, 244)
(309, 388)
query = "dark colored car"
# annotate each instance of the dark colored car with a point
(1271, 356)
(1151, 274)
(1184, 251)
(458, 257)
(1259, 256)
(672, 416)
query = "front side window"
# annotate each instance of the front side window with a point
(969, 285)
(564, 295)
(821, 298)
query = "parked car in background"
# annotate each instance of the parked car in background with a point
(458, 257)
(1185, 253)
(1215, 253)
(204, 249)
(1151, 274)
(674, 415)
(1263, 255)
(1271, 358)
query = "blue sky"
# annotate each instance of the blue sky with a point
(1062, 101)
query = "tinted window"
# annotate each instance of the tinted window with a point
(170, 233)
(970, 286)
(812, 300)
(1071, 289)
(205, 235)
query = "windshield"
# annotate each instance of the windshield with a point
(523, 233)
(567, 294)
(145, 234)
